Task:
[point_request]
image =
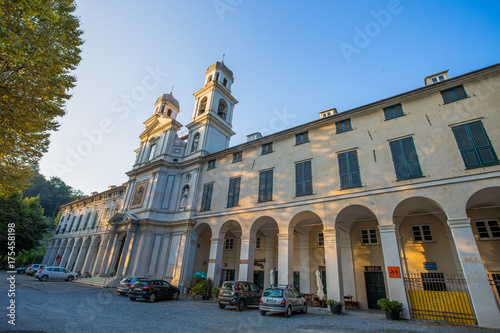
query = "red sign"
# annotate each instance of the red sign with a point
(394, 272)
(59, 256)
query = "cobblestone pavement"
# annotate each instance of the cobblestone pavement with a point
(70, 307)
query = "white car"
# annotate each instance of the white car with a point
(56, 273)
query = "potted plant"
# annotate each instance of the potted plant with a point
(335, 306)
(392, 308)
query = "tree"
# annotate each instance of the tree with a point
(39, 47)
(27, 217)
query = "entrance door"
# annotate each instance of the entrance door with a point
(227, 275)
(375, 288)
(296, 280)
(258, 279)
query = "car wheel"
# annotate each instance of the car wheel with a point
(44, 278)
(152, 298)
(304, 309)
(222, 306)
(132, 298)
(241, 305)
(175, 296)
(288, 312)
(70, 278)
(122, 294)
(263, 313)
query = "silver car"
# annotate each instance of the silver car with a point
(282, 300)
(56, 273)
(125, 285)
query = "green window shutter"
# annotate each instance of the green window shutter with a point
(344, 171)
(206, 198)
(447, 97)
(354, 168)
(466, 147)
(299, 179)
(234, 192)
(262, 187)
(303, 178)
(398, 159)
(308, 177)
(349, 170)
(483, 144)
(266, 186)
(411, 158)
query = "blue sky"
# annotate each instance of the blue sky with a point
(290, 59)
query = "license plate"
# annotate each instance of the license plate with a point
(270, 301)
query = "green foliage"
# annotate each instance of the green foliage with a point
(27, 257)
(203, 287)
(334, 302)
(27, 216)
(39, 48)
(389, 305)
(194, 281)
(215, 291)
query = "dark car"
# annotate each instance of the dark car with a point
(126, 283)
(152, 290)
(21, 270)
(239, 294)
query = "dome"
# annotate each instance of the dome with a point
(169, 98)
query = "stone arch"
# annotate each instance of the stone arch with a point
(264, 234)
(203, 105)
(222, 109)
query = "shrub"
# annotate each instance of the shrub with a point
(389, 305)
(334, 302)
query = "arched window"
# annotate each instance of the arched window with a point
(209, 79)
(196, 139)
(222, 109)
(203, 105)
(217, 77)
(169, 113)
(225, 82)
(162, 108)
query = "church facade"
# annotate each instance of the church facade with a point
(370, 202)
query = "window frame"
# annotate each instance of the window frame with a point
(421, 233)
(341, 127)
(321, 239)
(488, 230)
(408, 161)
(453, 94)
(228, 244)
(267, 148)
(266, 184)
(211, 164)
(393, 112)
(258, 243)
(474, 145)
(303, 183)
(301, 138)
(238, 156)
(345, 169)
(206, 197)
(369, 237)
(233, 193)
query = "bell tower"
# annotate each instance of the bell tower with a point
(210, 127)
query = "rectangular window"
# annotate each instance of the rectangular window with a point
(267, 148)
(257, 243)
(301, 138)
(152, 151)
(87, 219)
(369, 236)
(94, 221)
(321, 239)
(237, 157)
(78, 223)
(433, 281)
(303, 179)
(343, 125)
(211, 164)
(71, 224)
(393, 111)
(349, 169)
(453, 94)
(488, 229)
(233, 195)
(266, 186)
(206, 198)
(422, 233)
(474, 145)
(405, 159)
(229, 244)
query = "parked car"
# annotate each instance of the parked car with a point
(32, 269)
(282, 300)
(35, 273)
(125, 285)
(56, 273)
(239, 294)
(152, 290)
(21, 270)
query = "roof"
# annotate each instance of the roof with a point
(169, 98)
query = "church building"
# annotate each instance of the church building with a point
(399, 198)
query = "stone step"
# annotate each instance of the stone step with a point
(101, 282)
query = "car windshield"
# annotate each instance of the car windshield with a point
(273, 293)
(140, 284)
(227, 286)
(126, 280)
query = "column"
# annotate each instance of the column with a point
(48, 253)
(72, 256)
(487, 313)
(237, 250)
(125, 253)
(65, 255)
(215, 260)
(145, 253)
(100, 255)
(164, 251)
(334, 283)
(81, 258)
(285, 259)
(88, 259)
(269, 264)
(247, 253)
(305, 267)
(53, 254)
(395, 286)
(132, 254)
(347, 263)
(105, 259)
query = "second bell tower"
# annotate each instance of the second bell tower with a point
(210, 127)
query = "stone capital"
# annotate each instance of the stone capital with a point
(459, 223)
(382, 228)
